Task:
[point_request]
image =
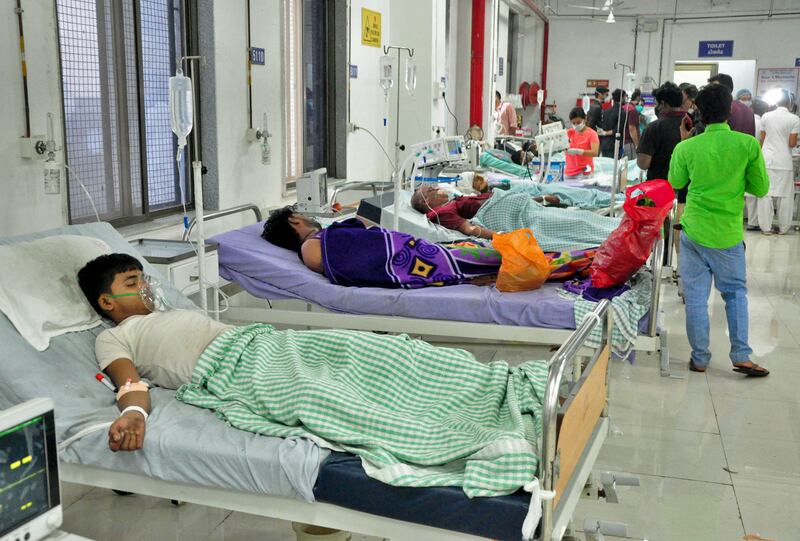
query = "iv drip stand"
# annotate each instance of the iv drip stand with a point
(397, 146)
(197, 177)
(618, 139)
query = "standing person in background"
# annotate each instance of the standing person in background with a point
(745, 97)
(596, 108)
(779, 129)
(638, 104)
(505, 117)
(659, 141)
(760, 108)
(723, 165)
(742, 118)
(610, 122)
(632, 125)
(584, 145)
(689, 92)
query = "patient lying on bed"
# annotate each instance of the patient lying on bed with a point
(555, 229)
(350, 254)
(379, 396)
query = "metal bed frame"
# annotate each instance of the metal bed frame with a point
(573, 435)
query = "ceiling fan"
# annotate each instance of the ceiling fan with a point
(608, 6)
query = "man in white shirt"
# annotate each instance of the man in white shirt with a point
(779, 130)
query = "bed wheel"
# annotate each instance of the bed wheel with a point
(176, 503)
(121, 492)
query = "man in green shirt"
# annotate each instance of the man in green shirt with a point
(722, 165)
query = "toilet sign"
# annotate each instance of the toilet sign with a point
(710, 49)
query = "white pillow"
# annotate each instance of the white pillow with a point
(39, 291)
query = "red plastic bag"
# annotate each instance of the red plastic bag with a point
(629, 245)
(524, 265)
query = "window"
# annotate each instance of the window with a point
(116, 59)
(313, 88)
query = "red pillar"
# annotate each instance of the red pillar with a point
(476, 66)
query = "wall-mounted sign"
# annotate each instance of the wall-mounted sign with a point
(715, 49)
(257, 56)
(797, 62)
(594, 83)
(353, 71)
(370, 27)
(769, 78)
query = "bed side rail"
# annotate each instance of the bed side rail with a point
(222, 213)
(558, 365)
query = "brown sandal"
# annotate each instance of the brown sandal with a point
(694, 368)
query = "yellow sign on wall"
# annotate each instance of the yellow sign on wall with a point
(370, 27)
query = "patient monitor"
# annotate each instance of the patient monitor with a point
(312, 193)
(30, 494)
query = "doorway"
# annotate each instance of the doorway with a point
(743, 72)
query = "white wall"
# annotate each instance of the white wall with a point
(242, 177)
(418, 24)
(24, 207)
(365, 161)
(571, 61)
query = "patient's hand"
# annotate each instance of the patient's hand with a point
(552, 199)
(127, 432)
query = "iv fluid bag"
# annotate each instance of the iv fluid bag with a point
(586, 104)
(411, 75)
(181, 108)
(386, 73)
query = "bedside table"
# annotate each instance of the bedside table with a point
(176, 260)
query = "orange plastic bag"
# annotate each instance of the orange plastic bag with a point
(524, 265)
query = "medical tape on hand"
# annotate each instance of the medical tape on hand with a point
(129, 388)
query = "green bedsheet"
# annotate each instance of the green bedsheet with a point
(416, 414)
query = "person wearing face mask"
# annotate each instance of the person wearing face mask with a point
(584, 145)
(660, 139)
(745, 97)
(596, 107)
(689, 92)
(742, 119)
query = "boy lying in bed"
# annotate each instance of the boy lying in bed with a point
(555, 229)
(379, 396)
(350, 254)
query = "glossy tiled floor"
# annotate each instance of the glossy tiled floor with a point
(718, 454)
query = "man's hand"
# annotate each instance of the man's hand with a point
(686, 131)
(127, 432)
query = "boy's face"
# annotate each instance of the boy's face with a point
(124, 300)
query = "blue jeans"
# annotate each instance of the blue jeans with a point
(727, 266)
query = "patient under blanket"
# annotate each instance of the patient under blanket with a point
(354, 255)
(416, 414)
(554, 229)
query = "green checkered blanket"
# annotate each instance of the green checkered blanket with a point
(416, 414)
(556, 230)
(628, 309)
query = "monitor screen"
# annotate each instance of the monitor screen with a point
(28, 471)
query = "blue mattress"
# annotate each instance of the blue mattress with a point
(270, 272)
(342, 482)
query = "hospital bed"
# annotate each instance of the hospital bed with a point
(542, 316)
(240, 471)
